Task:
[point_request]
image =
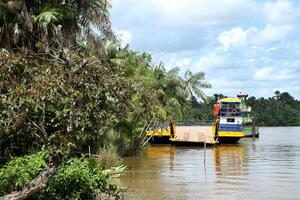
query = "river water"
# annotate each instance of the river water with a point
(264, 168)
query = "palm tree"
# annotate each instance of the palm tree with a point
(193, 83)
(56, 23)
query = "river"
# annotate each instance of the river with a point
(264, 168)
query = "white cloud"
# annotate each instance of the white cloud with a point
(263, 73)
(180, 59)
(254, 41)
(279, 12)
(234, 37)
(124, 37)
(209, 61)
(237, 36)
(182, 13)
(272, 33)
(183, 62)
(273, 74)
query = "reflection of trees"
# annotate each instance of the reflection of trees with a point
(229, 159)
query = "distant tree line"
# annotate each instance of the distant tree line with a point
(280, 110)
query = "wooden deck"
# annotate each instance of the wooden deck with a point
(194, 134)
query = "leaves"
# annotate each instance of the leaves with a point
(31, 24)
(20, 171)
(280, 110)
(193, 84)
(70, 107)
(78, 178)
(50, 15)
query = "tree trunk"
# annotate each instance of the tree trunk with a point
(39, 182)
(34, 186)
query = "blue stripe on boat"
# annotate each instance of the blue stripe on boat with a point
(230, 127)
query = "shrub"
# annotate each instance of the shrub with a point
(109, 157)
(21, 171)
(78, 178)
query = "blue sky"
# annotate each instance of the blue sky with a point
(241, 45)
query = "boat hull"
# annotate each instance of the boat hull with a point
(230, 136)
(228, 140)
(160, 140)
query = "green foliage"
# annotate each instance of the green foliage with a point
(20, 171)
(71, 105)
(279, 110)
(199, 111)
(24, 24)
(109, 157)
(50, 15)
(79, 178)
(193, 84)
(62, 87)
(59, 92)
(61, 106)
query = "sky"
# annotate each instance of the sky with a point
(241, 45)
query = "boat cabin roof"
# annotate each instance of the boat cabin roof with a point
(230, 100)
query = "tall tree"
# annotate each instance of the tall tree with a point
(193, 84)
(30, 24)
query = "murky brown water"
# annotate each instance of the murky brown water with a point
(264, 168)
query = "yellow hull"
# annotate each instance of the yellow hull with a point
(165, 136)
(158, 133)
(231, 134)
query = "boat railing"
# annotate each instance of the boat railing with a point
(159, 125)
(165, 124)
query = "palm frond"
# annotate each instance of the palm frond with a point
(193, 84)
(95, 13)
(204, 84)
(199, 93)
(173, 71)
(50, 15)
(198, 76)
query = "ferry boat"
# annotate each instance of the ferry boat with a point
(247, 117)
(161, 134)
(228, 125)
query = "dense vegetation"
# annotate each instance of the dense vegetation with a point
(78, 178)
(66, 85)
(279, 110)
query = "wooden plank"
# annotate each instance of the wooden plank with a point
(197, 134)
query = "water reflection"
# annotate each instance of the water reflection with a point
(268, 168)
(145, 174)
(229, 159)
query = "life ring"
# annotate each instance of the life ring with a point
(234, 111)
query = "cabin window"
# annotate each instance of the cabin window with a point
(226, 108)
(230, 119)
